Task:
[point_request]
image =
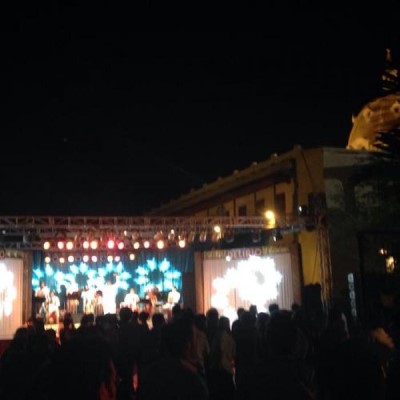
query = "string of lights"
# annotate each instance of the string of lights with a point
(71, 234)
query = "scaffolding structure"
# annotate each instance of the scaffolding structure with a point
(30, 232)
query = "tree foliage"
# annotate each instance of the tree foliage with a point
(389, 144)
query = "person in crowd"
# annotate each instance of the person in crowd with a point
(83, 368)
(201, 346)
(127, 349)
(277, 373)
(174, 376)
(152, 298)
(67, 329)
(221, 362)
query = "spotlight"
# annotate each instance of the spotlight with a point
(171, 235)
(47, 260)
(70, 245)
(94, 244)
(158, 236)
(94, 259)
(121, 245)
(135, 236)
(203, 236)
(192, 236)
(160, 244)
(60, 244)
(303, 210)
(131, 256)
(85, 258)
(110, 244)
(217, 229)
(146, 244)
(270, 218)
(110, 258)
(46, 245)
(71, 258)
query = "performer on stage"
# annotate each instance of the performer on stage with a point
(72, 297)
(42, 296)
(131, 300)
(98, 303)
(173, 296)
(53, 315)
(88, 299)
(172, 299)
(110, 291)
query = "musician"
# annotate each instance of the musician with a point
(42, 295)
(173, 296)
(131, 300)
(72, 297)
(110, 291)
(172, 299)
(98, 304)
(88, 299)
(53, 308)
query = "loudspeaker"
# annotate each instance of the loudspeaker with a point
(355, 297)
(188, 297)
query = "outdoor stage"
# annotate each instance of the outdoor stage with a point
(225, 279)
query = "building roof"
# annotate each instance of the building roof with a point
(380, 115)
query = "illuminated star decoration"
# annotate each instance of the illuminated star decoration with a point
(82, 272)
(256, 280)
(161, 274)
(8, 292)
(153, 273)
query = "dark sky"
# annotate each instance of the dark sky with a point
(115, 110)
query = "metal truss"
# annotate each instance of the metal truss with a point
(29, 232)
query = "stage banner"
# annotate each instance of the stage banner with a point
(11, 284)
(250, 276)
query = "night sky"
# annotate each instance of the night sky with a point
(115, 110)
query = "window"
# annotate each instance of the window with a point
(316, 203)
(280, 204)
(242, 211)
(260, 206)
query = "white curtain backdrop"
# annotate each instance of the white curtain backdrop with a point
(242, 282)
(11, 281)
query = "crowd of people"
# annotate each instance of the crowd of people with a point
(280, 354)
